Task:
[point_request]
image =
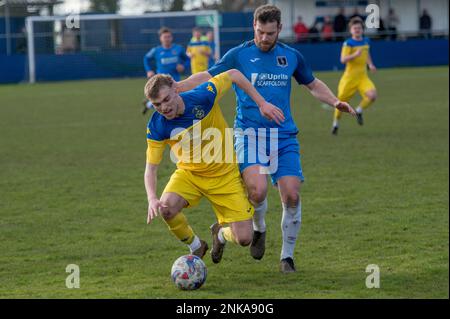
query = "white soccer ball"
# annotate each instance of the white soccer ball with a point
(189, 272)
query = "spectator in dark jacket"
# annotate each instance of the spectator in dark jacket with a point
(425, 24)
(392, 22)
(314, 33)
(340, 24)
(381, 30)
(356, 14)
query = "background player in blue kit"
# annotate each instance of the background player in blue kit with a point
(167, 58)
(269, 65)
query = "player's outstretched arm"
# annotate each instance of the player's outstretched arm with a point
(267, 109)
(323, 93)
(193, 81)
(154, 204)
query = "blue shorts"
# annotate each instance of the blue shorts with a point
(279, 156)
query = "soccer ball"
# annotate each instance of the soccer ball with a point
(189, 272)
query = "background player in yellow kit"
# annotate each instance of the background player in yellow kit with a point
(355, 55)
(199, 51)
(183, 120)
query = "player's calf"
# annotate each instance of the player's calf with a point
(238, 232)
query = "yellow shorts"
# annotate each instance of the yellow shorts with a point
(226, 193)
(349, 85)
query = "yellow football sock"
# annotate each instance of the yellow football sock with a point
(365, 102)
(228, 234)
(337, 114)
(180, 228)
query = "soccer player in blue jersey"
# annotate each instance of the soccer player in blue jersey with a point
(269, 65)
(167, 58)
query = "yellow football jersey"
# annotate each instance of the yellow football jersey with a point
(200, 51)
(200, 139)
(359, 64)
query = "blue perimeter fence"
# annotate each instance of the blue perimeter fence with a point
(112, 62)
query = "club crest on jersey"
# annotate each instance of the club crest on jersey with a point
(198, 112)
(282, 61)
(210, 88)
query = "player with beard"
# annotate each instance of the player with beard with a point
(270, 65)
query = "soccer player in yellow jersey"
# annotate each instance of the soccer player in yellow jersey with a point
(192, 125)
(199, 51)
(356, 57)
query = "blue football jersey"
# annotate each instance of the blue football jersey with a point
(166, 60)
(270, 73)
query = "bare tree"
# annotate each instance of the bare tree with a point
(222, 5)
(239, 5)
(104, 6)
(177, 5)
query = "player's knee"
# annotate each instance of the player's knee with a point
(372, 95)
(167, 214)
(243, 239)
(291, 198)
(257, 194)
(169, 211)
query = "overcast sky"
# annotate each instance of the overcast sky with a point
(127, 6)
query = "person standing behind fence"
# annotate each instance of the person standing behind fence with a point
(198, 51)
(169, 58)
(327, 29)
(356, 14)
(340, 24)
(213, 57)
(392, 22)
(300, 30)
(313, 33)
(425, 23)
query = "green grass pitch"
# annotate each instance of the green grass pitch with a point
(72, 159)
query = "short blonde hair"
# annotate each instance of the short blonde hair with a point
(155, 83)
